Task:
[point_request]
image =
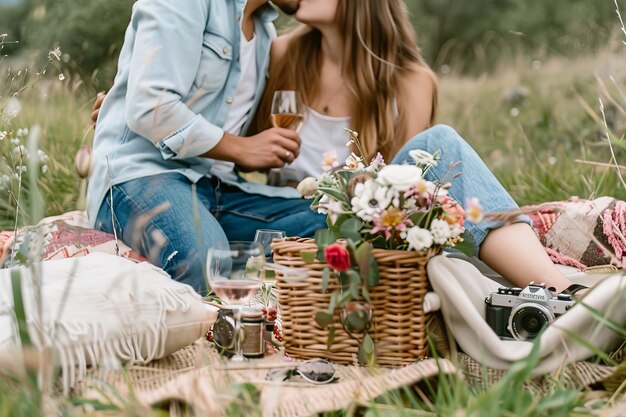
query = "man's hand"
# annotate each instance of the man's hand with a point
(95, 111)
(272, 148)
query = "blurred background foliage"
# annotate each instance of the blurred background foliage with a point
(477, 35)
(462, 36)
(520, 79)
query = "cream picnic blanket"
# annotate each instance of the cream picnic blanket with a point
(463, 288)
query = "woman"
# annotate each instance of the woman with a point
(356, 65)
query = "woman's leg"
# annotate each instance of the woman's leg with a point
(163, 219)
(511, 249)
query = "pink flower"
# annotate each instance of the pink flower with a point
(391, 220)
(83, 163)
(454, 213)
(329, 160)
(474, 210)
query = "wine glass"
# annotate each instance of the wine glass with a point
(287, 112)
(235, 275)
(264, 237)
(287, 109)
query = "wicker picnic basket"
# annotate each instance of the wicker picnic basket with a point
(399, 326)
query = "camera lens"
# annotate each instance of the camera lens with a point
(528, 320)
(224, 330)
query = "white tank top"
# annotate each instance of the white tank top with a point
(320, 134)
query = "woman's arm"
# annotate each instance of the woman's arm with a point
(417, 100)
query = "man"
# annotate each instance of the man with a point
(190, 76)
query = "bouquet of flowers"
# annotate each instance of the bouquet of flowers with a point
(374, 205)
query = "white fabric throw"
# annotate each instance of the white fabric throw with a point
(463, 289)
(102, 309)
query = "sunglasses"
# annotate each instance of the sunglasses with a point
(313, 371)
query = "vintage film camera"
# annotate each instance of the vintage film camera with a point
(521, 314)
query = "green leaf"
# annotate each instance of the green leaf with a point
(605, 321)
(324, 237)
(356, 321)
(344, 279)
(355, 282)
(325, 279)
(373, 275)
(18, 307)
(323, 319)
(336, 227)
(344, 297)
(337, 195)
(418, 218)
(345, 175)
(332, 304)
(366, 294)
(331, 337)
(363, 257)
(367, 351)
(351, 229)
(467, 245)
(307, 257)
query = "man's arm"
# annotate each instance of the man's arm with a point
(166, 55)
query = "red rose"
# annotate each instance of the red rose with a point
(337, 257)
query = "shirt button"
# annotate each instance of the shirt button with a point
(225, 49)
(238, 17)
(229, 100)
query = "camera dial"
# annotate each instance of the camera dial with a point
(521, 314)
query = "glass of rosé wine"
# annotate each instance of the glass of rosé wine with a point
(235, 275)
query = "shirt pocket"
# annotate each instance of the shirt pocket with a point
(217, 55)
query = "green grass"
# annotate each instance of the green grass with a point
(533, 150)
(536, 147)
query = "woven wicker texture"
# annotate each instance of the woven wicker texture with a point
(199, 377)
(399, 323)
(575, 375)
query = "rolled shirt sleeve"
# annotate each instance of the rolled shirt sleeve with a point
(166, 56)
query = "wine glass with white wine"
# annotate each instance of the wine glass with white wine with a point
(287, 112)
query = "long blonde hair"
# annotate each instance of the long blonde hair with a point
(379, 46)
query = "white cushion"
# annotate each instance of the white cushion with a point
(102, 307)
(463, 284)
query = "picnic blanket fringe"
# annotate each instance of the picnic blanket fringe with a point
(587, 234)
(196, 376)
(106, 350)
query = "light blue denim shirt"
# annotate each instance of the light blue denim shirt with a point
(177, 76)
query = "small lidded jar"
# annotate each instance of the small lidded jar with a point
(253, 330)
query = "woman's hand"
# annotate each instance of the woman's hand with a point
(95, 111)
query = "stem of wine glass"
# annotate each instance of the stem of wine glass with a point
(238, 357)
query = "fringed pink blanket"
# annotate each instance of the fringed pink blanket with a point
(586, 234)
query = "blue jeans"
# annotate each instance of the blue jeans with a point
(173, 222)
(476, 179)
